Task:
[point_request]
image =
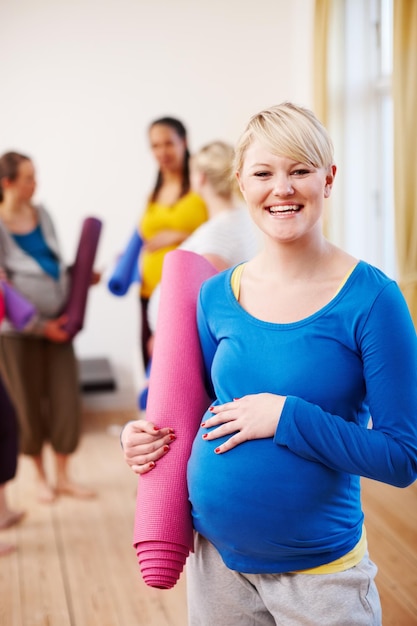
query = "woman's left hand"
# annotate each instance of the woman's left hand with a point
(95, 277)
(254, 416)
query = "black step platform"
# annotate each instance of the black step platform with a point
(95, 374)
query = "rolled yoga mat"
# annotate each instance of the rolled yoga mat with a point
(126, 271)
(2, 305)
(163, 530)
(18, 310)
(81, 275)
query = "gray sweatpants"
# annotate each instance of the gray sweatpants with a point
(218, 596)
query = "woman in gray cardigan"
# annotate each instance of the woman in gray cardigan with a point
(38, 363)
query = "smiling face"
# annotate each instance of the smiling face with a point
(285, 197)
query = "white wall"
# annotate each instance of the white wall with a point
(82, 79)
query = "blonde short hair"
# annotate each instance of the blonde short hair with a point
(215, 161)
(287, 130)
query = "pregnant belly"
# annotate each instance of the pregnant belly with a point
(262, 497)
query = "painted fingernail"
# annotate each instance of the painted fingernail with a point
(203, 424)
(205, 436)
(217, 451)
(152, 464)
(165, 448)
(156, 427)
(172, 437)
(211, 408)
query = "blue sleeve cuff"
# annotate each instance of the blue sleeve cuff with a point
(285, 421)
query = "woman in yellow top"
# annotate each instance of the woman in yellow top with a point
(173, 211)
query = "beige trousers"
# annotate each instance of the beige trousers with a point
(42, 380)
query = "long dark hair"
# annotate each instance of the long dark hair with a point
(9, 167)
(179, 128)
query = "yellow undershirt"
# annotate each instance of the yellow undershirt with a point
(237, 275)
(355, 555)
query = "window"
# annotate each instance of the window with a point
(362, 214)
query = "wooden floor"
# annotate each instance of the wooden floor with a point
(75, 565)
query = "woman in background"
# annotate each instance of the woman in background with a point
(228, 236)
(173, 211)
(38, 365)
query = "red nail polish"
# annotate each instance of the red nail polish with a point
(172, 437)
(165, 448)
(203, 424)
(156, 427)
(217, 451)
(205, 436)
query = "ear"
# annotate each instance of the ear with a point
(199, 178)
(240, 183)
(331, 173)
(5, 182)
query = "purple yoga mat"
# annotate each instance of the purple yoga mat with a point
(18, 310)
(2, 305)
(163, 532)
(81, 275)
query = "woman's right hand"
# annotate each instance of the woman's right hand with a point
(144, 444)
(54, 331)
(165, 238)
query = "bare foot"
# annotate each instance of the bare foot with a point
(46, 494)
(6, 548)
(10, 518)
(68, 488)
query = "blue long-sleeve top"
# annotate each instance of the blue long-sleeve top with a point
(292, 502)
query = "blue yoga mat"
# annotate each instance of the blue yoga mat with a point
(126, 271)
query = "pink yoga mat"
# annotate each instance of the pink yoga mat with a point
(163, 532)
(18, 310)
(81, 275)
